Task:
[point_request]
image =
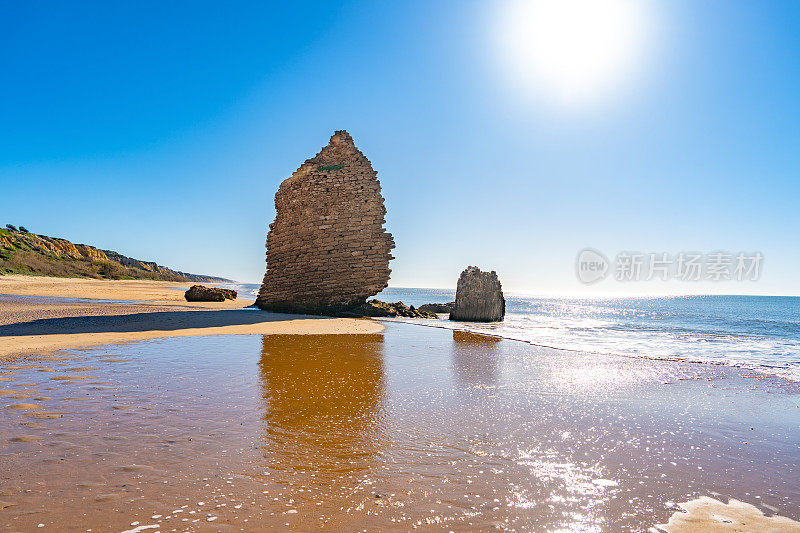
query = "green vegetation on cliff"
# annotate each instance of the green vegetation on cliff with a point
(22, 252)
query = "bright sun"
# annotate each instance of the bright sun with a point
(572, 51)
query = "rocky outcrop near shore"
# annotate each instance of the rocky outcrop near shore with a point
(479, 297)
(201, 293)
(327, 250)
(377, 308)
(437, 308)
(22, 252)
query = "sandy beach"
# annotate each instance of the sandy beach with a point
(411, 428)
(511, 266)
(246, 420)
(36, 316)
(166, 293)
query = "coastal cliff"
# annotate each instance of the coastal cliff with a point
(22, 252)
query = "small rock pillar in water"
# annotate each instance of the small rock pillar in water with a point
(479, 297)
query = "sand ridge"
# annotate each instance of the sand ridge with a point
(38, 344)
(32, 325)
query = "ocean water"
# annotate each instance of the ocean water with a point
(760, 332)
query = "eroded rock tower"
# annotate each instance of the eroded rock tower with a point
(479, 297)
(327, 249)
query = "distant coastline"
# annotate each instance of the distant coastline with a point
(23, 252)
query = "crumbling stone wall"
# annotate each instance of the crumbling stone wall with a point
(327, 249)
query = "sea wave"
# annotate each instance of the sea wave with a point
(755, 332)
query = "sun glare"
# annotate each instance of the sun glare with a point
(571, 51)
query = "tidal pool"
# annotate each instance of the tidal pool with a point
(414, 428)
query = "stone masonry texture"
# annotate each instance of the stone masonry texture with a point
(327, 249)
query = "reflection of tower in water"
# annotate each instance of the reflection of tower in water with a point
(323, 406)
(475, 358)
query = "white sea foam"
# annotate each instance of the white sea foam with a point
(137, 529)
(759, 332)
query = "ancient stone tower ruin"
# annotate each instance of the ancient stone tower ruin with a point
(327, 249)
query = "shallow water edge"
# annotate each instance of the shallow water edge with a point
(412, 427)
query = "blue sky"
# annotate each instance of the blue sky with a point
(163, 131)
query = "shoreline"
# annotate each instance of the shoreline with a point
(481, 366)
(87, 313)
(141, 297)
(567, 429)
(765, 372)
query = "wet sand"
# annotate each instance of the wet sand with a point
(411, 428)
(42, 323)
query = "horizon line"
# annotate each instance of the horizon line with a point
(572, 294)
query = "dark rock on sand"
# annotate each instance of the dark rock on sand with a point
(479, 297)
(200, 293)
(437, 308)
(378, 308)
